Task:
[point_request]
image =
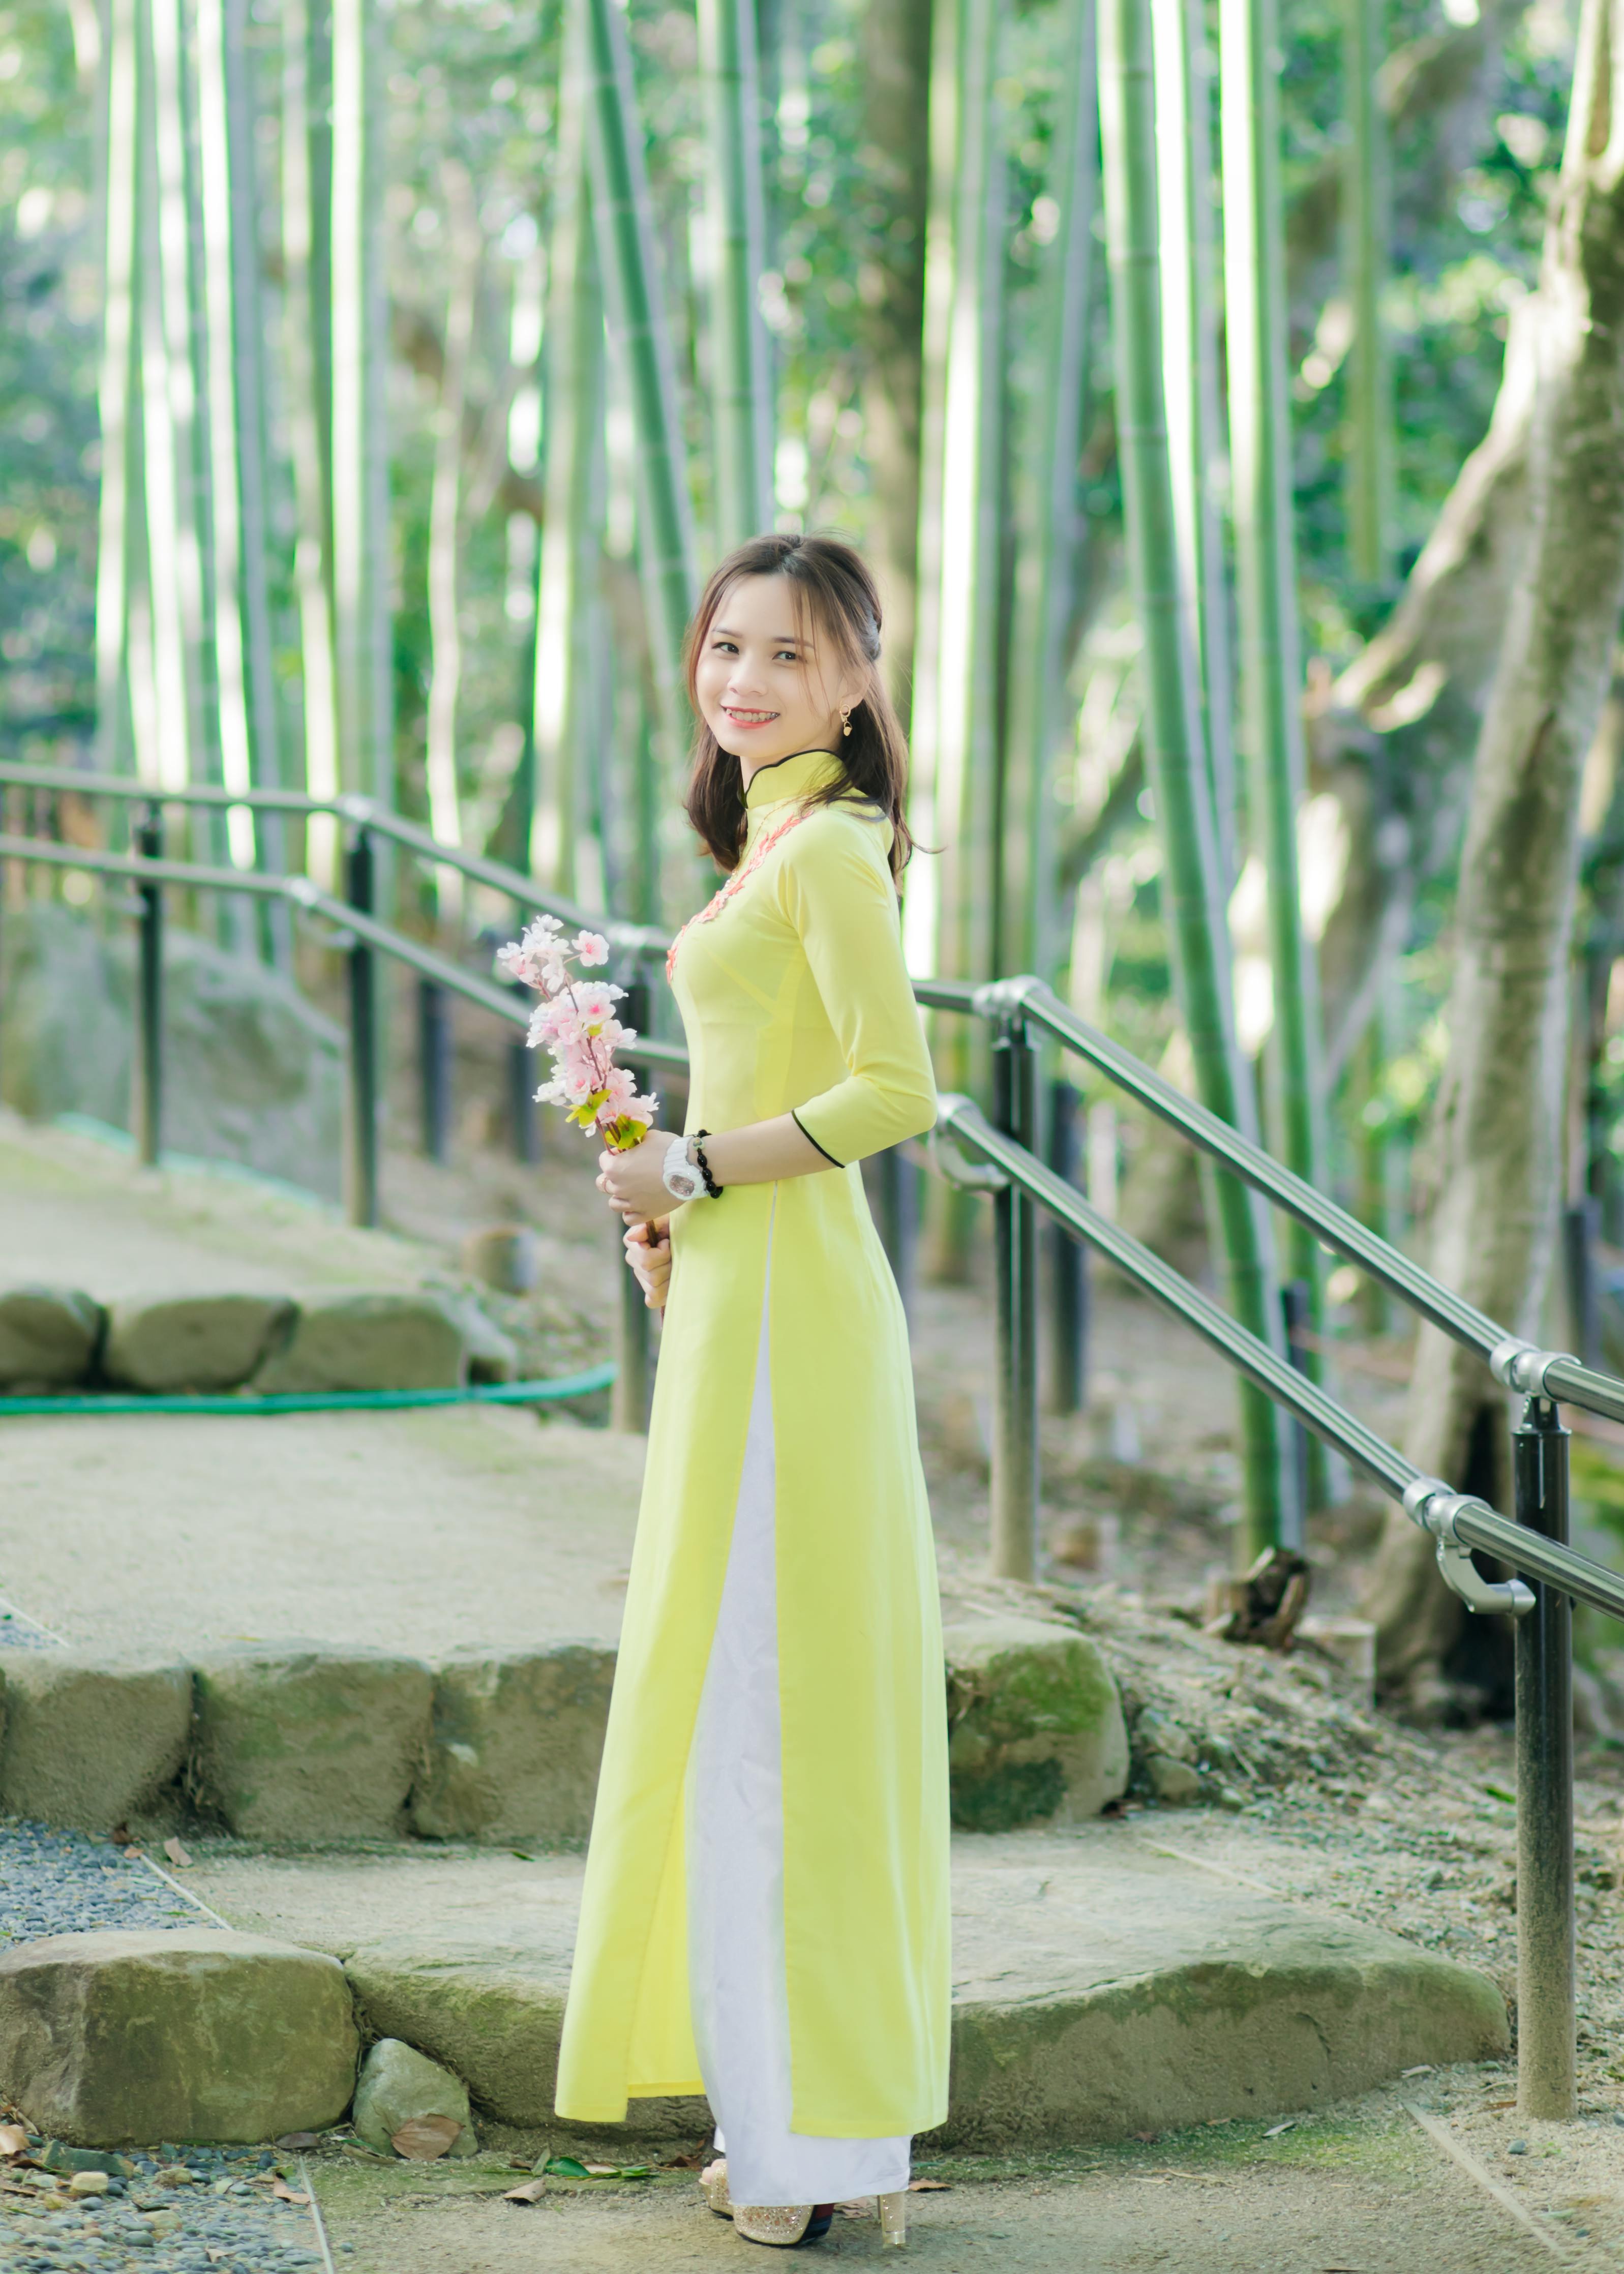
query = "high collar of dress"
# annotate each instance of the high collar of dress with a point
(788, 779)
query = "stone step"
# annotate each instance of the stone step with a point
(1101, 1989)
(303, 1741)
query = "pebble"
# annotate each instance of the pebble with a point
(221, 2204)
(1516, 2148)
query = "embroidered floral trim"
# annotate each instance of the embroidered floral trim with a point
(735, 883)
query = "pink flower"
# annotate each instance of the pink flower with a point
(595, 1000)
(576, 1020)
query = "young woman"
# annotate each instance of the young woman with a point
(765, 1913)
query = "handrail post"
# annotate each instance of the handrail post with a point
(896, 1190)
(148, 1067)
(1068, 1261)
(521, 1116)
(1547, 2057)
(434, 1066)
(1015, 1371)
(361, 1134)
(628, 1400)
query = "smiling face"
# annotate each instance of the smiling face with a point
(769, 684)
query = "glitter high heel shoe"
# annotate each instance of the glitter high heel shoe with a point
(782, 2227)
(713, 2187)
(893, 2211)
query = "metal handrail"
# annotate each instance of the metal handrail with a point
(1468, 1522)
(1517, 1363)
(362, 812)
(310, 899)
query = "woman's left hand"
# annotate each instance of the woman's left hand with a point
(634, 1181)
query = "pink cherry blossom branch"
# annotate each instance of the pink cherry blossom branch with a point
(576, 1020)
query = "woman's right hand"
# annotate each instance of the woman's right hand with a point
(648, 1251)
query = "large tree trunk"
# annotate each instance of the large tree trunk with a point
(1499, 1135)
(1391, 737)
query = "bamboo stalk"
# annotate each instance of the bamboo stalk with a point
(922, 908)
(445, 516)
(356, 561)
(1369, 477)
(1050, 557)
(1271, 673)
(115, 388)
(1197, 443)
(310, 560)
(566, 596)
(237, 770)
(741, 376)
(249, 347)
(1191, 895)
(624, 223)
(169, 406)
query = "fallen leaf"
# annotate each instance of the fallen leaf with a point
(1421, 2068)
(929, 2186)
(283, 2193)
(566, 2166)
(365, 2154)
(178, 1855)
(13, 2139)
(120, 1835)
(1275, 2130)
(132, 1854)
(422, 2139)
(602, 2171)
(531, 2192)
(290, 2140)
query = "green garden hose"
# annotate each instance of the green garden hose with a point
(329, 1400)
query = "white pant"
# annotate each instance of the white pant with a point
(735, 1879)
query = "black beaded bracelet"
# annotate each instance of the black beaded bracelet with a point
(703, 1166)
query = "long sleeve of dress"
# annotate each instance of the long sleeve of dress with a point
(835, 888)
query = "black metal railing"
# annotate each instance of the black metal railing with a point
(999, 1157)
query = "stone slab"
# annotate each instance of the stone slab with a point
(168, 1343)
(196, 2034)
(48, 1338)
(369, 1341)
(1100, 1990)
(515, 1746)
(1038, 1734)
(91, 1742)
(310, 1744)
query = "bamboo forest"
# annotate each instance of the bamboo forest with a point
(1224, 392)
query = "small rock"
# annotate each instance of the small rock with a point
(504, 1257)
(90, 2183)
(400, 2085)
(160, 2223)
(1516, 2148)
(1176, 1782)
(174, 2175)
(54, 2156)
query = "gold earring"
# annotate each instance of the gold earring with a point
(846, 722)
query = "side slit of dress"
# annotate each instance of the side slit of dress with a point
(735, 1872)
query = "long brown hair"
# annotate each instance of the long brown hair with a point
(831, 583)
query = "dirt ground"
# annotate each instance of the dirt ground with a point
(1360, 2190)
